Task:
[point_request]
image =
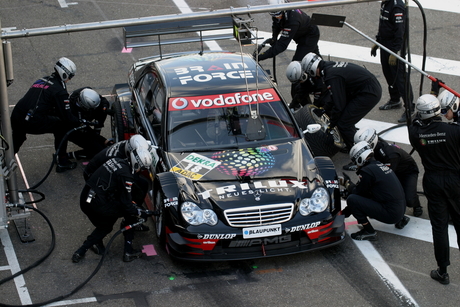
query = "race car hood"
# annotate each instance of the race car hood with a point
(248, 175)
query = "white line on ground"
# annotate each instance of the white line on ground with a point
(73, 302)
(14, 266)
(381, 267)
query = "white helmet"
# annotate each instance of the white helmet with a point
(367, 134)
(89, 99)
(310, 63)
(360, 152)
(294, 72)
(65, 68)
(275, 2)
(140, 159)
(137, 141)
(427, 106)
(448, 101)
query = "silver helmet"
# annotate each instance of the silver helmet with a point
(89, 99)
(367, 134)
(310, 64)
(360, 152)
(140, 159)
(427, 106)
(448, 101)
(294, 72)
(65, 68)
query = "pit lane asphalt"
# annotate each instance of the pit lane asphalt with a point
(340, 275)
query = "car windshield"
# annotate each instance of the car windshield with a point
(228, 120)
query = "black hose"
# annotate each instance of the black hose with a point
(80, 286)
(424, 45)
(54, 161)
(50, 250)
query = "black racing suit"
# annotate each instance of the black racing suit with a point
(107, 197)
(378, 194)
(391, 35)
(403, 165)
(118, 150)
(44, 108)
(295, 25)
(438, 145)
(88, 138)
(351, 92)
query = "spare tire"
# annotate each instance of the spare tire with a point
(321, 143)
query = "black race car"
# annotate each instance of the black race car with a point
(233, 176)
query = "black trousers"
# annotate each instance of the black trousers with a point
(49, 124)
(442, 191)
(356, 108)
(409, 184)
(396, 80)
(362, 207)
(88, 139)
(102, 221)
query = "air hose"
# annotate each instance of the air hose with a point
(53, 243)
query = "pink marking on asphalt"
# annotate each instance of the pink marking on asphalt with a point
(126, 50)
(350, 223)
(149, 250)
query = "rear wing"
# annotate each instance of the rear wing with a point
(180, 32)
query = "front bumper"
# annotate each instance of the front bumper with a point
(294, 239)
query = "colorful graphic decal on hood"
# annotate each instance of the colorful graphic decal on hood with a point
(245, 161)
(194, 166)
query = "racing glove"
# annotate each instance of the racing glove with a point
(347, 183)
(435, 87)
(374, 50)
(392, 60)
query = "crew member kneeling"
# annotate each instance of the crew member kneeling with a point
(378, 194)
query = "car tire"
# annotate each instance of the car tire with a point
(116, 122)
(320, 143)
(158, 220)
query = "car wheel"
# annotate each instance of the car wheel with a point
(158, 220)
(321, 144)
(116, 122)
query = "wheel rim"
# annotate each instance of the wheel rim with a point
(324, 122)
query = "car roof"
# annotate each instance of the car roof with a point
(210, 73)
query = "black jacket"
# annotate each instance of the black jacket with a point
(295, 25)
(98, 114)
(344, 81)
(395, 157)
(392, 24)
(48, 96)
(117, 150)
(437, 143)
(112, 183)
(378, 182)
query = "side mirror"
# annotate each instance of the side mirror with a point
(312, 128)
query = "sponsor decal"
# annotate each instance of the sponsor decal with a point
(261, 241)
(331, 184)
(257, 188)
(219, 236)
(168, 202)
(226, 71)
(261, 231)
(245, 161)
(222, 100)
(194, 166)
(302, 227)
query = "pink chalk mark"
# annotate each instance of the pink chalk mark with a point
(149, 250)
(351, 223)
(126, 50)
